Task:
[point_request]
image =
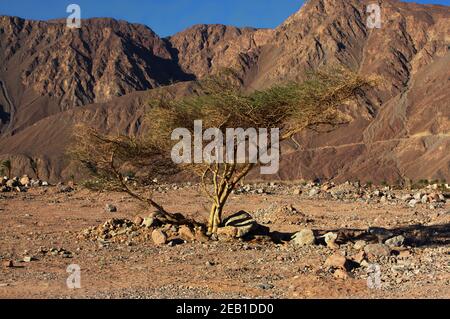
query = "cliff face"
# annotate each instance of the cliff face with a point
(401, 129)
(73, 67)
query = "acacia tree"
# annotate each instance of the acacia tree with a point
(288, 108)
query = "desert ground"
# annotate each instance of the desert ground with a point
(46, 229)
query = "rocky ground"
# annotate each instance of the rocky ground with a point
(297, 240)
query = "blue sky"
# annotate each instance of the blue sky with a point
(167, 17)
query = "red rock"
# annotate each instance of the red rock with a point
(186, 233)
(341, 274)
(159, 237)
(337, 261)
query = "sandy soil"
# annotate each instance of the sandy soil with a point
(42, 219)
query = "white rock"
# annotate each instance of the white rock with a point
(304, 237)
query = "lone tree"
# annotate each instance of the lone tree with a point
(284, 110)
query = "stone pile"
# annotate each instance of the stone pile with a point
(21, 184)
(142, 229)
(346, 257)
(429, 196)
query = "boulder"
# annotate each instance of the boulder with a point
(138, 220)
(396, 241)
(149, 222)
(110, 208)
(243, 223)
(11, 183)
(360, 244)
(377, 250)
(24, 180)
(330, 240)
(359, 257)
(159, 237)
(341, 274)
(304, 237)
(314, 192)
(412, 203)
(337, 261)
(227, 232)
(186, 233)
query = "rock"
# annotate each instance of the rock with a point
(341, 274)
(330, 240)
(297, 191)
(227, 232)
(27, 259)
(337, 261)
(44, 183)
(314, 192)
(110, 208)
(159, 237)
(412, 203)
(360, 244)
(418, 196)
(265, 286)
(396, 241)
(434, 197)
(149, 222)
(377, 250)
(138, 220)
(359, 257)
(35, 183)
(8, 264)
(243, 222)
(24, 180)
(424, 199)
(406, 198)
(186, 233)
(63, 188)
(11, 183)
(304, 237)
(364, 263)
(155, 215)
(200, 236)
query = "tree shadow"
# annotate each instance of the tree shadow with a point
(415, 235)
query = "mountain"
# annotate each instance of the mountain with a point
(52, 77)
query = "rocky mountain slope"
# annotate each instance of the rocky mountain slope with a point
(52, 77)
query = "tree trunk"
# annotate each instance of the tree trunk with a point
(215, 215)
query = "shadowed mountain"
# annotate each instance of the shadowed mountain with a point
(51, 76)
